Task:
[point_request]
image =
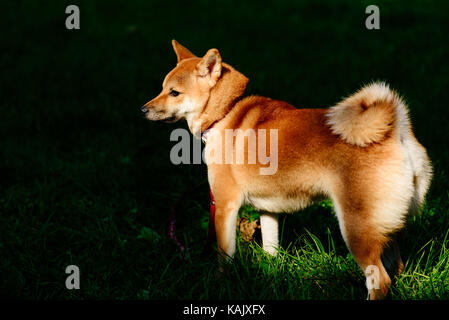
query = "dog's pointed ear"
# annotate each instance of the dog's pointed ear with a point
(181, 52)
(210, 66)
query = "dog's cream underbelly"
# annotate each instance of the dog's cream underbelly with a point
(279, 204)
(289, 191)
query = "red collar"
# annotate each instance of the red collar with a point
(205, 134)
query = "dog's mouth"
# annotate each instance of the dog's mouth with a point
(170, 119)
(160, 116)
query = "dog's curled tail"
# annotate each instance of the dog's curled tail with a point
(369, 115)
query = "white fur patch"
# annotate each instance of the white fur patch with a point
(270, 233)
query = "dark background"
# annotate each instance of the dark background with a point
(86, 180)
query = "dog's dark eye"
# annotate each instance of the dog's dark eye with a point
(174, 93)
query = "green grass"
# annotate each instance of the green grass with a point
(87, 181)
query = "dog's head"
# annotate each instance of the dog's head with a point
(186, 89)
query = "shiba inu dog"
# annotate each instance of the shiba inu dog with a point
(360, 153)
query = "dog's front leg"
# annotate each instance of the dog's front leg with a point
(225, 226)
(270, 232)
(228, 200)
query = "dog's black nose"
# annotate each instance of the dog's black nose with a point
(144, 109)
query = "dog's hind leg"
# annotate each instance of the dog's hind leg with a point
(366, 245)
(270, 232)
(391, 258)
